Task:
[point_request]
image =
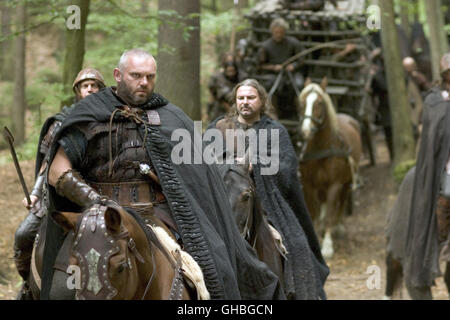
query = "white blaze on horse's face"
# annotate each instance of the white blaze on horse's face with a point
(307, 125)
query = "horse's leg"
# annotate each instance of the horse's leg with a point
(394, 278)
(419, 293)
(447, 278)
(332, 217)
(313, 205)
(268, 252)
(345, 199)
(349, 203)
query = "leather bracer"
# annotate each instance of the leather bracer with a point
(37, 189)
(71, 186)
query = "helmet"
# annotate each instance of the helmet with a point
(89, 74)
(445, 63)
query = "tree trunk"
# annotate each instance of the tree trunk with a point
(438, 38)
(415, 5)
(6, 63)
(243, 4)
(75, 48)
(179, 71)
(404, 17)
(19, 103)
(401, 126)
(144, 7)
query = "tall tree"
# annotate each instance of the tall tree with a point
(438, 37)
(75, 45)
(19, 107)
(404, 16)
(399, 107)
(6, 65)
(179, 55)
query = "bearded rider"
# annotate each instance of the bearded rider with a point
(281, 192)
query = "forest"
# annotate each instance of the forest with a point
(45, 43)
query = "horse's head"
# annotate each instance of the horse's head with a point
(314, 108)
(242, 196)
(105, 249)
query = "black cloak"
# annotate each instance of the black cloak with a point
(422, 255)
(282, 199)
(197, 200)
(397, 225)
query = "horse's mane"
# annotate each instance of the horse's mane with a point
(332, 115)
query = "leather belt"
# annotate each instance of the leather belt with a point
(128, 193)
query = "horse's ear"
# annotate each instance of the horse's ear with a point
(307, 81)
(324, 83)
(67, 220)
(113, 220)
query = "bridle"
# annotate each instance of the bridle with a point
(93, 257)
(246, 232)
(318, 122)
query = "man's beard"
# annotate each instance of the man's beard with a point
(248, 115)
(126, 93)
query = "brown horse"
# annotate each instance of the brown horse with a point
(329, 159)
(250, 217)
(118, 257)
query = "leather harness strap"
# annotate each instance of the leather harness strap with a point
(323, 154)
(176, 290)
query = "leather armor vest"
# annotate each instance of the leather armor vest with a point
(118, 147)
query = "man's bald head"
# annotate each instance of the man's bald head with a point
(135, 53)
(135, 76)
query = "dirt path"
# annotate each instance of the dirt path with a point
(362, 246)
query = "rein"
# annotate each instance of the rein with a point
(176, 289)
(177, 286)
(323, 154)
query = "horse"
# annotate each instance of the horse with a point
(251, 218)
(396, 234)
(113, 254)
(328, 160)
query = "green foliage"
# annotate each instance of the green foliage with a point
(222, 23)
(401, 169)
(112, 32)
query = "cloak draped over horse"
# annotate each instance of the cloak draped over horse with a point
(282, 199)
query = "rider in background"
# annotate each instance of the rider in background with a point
(272, 54)
(428, 240)
(88, 81)
(281, 192)
(220, 85)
